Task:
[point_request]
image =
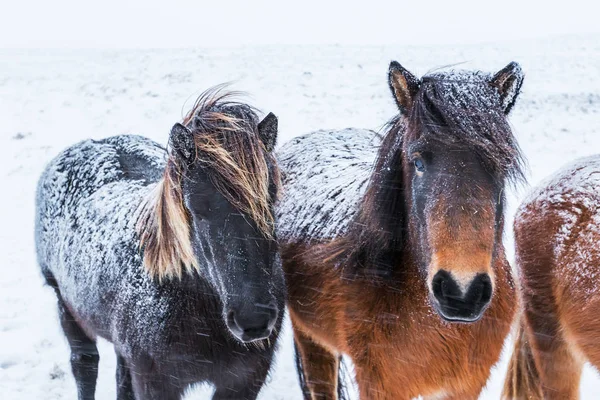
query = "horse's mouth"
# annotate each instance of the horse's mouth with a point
(465, 320)
(249, 334)
(465, 313)
(254, 336)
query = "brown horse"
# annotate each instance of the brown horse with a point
(392, 246)
(557, 230)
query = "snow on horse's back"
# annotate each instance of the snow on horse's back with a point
(169, 255)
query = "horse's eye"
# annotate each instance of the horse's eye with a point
(419, 165)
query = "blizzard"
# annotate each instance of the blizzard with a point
(50, 99)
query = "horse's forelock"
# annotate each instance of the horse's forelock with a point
(228, 145)
(462, 109)
(228, 148)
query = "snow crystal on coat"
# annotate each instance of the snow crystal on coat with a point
(87, 200)
(573, 195)
(325, 174)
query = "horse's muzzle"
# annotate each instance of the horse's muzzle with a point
(249, 323)
(457, 304)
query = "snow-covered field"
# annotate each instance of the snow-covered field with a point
(50, 99)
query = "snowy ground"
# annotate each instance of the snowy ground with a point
(50, 99)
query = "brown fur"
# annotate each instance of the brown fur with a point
(365, 294)
(399, 345)
(456, 249)
(234, 159)
(522, 378)
(560, 290)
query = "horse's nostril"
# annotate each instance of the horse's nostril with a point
(454, 304)
(231, 319)
(252, 323)
(484, 284)
(444, 286)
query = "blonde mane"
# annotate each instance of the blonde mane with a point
(228, 147)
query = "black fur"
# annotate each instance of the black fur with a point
(170, 334)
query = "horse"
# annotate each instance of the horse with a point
(168, 254)
(392, 244)
(556, 238)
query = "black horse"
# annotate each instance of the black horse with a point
(175, 263)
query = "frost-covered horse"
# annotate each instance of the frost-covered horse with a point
(557, 237)
(173, 262)
(392, 246)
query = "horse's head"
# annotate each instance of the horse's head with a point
(225, 180)
(458, 153)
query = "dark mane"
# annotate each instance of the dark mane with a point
(462, 109)
(227, 141)
(376, 235)
(227, 144)
(459, 109)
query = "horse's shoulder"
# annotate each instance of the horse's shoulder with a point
(325, 174)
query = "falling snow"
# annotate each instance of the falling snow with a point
(52, 99)
(573, 195)
(88, 199)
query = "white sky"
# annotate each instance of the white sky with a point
(200, 23)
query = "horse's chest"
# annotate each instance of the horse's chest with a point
(422, 357)
(405, 345)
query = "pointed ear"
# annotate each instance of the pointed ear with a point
(404, 86)
(182, 141)
(508, 82)
(267, 131)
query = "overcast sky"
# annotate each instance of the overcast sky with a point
(185, 23)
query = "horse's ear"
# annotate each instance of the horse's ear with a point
(182, 141)
(404, 86)
(508, 82)
(267, 131)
